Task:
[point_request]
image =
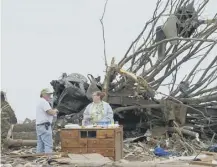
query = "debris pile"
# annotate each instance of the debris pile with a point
(133, 86)
(153, 62)
(146, 148)
(25, 131)
(8, 118)
(175, 146)
(156, 60)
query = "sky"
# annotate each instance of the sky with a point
(42, 39)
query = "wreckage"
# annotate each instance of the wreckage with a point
(132, 92)
(156, 61)
(8, 117)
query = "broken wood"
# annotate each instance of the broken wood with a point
(109, 72)
(25, 135)
(36, 155)
(209, 160)
(136, 85)
(10, 142)
(203, 163)
(20, 142)
(184, 131)
(119, 109)
(27, 127)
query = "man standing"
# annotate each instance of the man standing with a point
(44, 118)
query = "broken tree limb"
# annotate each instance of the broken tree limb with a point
(20, 142)
(198, 100)
(141, 82)
(9, 135)
(25, 135)
(103, 32)
(204, 91)
(10, 142)
(119, 109)
(188, 127)
(28, 127)
(155, 142)
(106, 83)
(36, 155)
(190, 133)
(184, 131)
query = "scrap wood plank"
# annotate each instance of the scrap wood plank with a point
(207, 161)
(209, 153)
(63, 161)
(35, 155)
(87, 160)
(203, 163)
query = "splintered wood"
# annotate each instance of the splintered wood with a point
(209, 160)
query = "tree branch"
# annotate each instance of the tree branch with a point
(103, 32)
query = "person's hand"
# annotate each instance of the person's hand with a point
(56, 111)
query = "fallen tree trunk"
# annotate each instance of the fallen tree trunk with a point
(35, 155)
(119, 109)
(20, 142)
(184, 131)
(106, 83)
(24, 135)
(29, 127)
(10, 142)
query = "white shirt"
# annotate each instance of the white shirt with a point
(41, 114)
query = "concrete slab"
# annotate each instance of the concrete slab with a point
(80, 157)
(93, 156)
(96, 157)
(145, 164)
(87, 160)
(97, 160)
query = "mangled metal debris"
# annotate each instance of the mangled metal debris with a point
(186, 111)
(134, 93)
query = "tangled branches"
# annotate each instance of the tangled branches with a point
(177, 54)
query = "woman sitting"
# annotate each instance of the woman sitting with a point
(97, 111)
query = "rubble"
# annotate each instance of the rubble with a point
(140, 152)
(181, 122)
(8, 118)
(139, 149)
(135, 94)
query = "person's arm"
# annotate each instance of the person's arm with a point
(86, 114)
(109, 114)
(47, 108)
(52, 111)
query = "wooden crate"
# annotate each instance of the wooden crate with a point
(107, 142)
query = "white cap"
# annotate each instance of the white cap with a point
(46, 91)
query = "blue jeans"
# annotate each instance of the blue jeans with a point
(44, 139)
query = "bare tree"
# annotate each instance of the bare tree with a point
(161, 56)
(173, 65)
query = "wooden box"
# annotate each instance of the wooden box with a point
(107, 142)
